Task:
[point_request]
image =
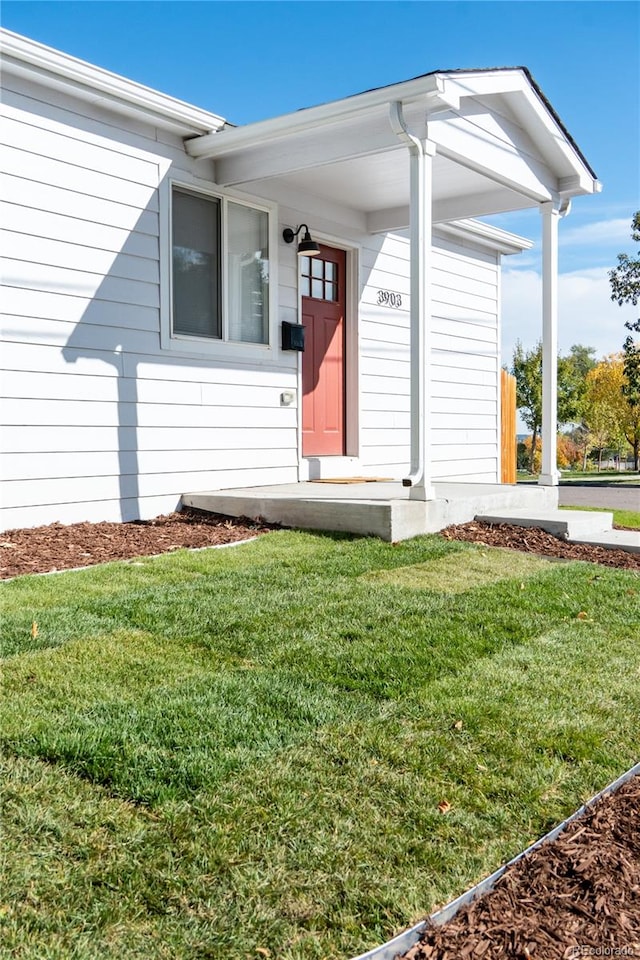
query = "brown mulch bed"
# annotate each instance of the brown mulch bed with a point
(532, 540)
(65, 547)
(577, 896)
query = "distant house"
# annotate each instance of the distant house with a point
(152, 306)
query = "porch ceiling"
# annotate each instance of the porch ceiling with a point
(378, 186)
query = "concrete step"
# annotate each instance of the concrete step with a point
(566, 524)
(614, 539)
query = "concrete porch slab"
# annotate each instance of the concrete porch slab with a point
(382, 509)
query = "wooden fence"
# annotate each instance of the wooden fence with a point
(508, 439)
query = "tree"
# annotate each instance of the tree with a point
(625, 278)
(572, 370)
(605, 405)
(572, 377)
(526, 367)
(625, 288)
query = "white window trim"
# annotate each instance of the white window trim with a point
(199, 347)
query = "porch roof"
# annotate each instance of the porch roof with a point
(500, 146)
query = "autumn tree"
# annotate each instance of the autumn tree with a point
(605, 406)
(625, 288)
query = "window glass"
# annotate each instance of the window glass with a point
(317, 266)
(196, 265)
(317, 289)
(248, 273)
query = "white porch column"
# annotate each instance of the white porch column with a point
(421, 154)
(549, 475)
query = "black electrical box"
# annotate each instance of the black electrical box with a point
(292, 336)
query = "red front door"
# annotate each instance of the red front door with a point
(323, 312)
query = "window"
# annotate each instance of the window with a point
(220, 262)
(196, 265)
(319, 278)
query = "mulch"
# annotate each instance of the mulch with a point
(67, 547)
(532, 540)
(576, 896)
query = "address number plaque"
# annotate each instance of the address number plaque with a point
(387, 298)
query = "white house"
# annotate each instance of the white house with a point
(148, 288)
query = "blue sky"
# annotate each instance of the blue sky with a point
(250, 60)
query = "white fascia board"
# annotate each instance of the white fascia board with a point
(232, 140)
(486, 235)
(26, 57)
(581, 180)
(535, 116)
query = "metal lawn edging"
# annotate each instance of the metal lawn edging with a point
(403, 942)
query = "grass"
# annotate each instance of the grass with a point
(241, 753)
(581, 476)
(621, 518)
(608, 476)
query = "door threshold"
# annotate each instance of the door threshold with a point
(327, 468)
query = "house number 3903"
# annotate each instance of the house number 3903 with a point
(387, 298)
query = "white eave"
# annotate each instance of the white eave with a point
(311, 118)
(25, 57)
(485, 235)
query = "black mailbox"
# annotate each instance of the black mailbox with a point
(292, 336)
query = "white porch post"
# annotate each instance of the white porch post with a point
(550, 216)
(421, 154)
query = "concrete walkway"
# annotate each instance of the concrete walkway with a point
(613, 496)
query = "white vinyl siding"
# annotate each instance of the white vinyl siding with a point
(464, 356)
(99, 422)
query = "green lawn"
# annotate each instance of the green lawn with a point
(241, 753)
(604, 476)
(608, 477)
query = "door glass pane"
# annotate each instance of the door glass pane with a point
(196, 265)
(330, 270)
(331, 291)
(305, 286)
(305, 266)
(317, 289)
(248, 273)
(316, 267)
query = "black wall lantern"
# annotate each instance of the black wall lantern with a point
(307, 247)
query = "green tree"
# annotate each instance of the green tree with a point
(526, 367)
(625, 278)
(572, 378)
(625, 288)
